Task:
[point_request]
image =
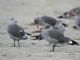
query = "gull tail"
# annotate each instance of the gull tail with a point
(74, 43)
(26, 35)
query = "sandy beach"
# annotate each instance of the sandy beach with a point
(25, 11)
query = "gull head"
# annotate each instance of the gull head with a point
(13, 21)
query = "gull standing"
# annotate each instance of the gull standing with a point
(16, 32)
(55, 37)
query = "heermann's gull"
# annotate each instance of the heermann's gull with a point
(71, 13)
(58, 27)
(74, 14)
(55, 37)
(16, 32)
(46, 20)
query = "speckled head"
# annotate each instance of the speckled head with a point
(14, 20)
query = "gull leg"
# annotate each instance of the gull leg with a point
(53, 48)
(38, 26)
(14, 43)
(18, 43)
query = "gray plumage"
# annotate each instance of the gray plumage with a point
(52, 35)
(58, 36)
(45, 20)
(77, 21)
(71, 13)
(55, 37)
(16, 32)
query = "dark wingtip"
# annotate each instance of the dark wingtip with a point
(60, 17)
(28, 33)
(64, 15)
(75, 43)
(74, 27)
(65, 25)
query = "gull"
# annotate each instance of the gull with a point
(71, 13)
(16, 32)
(46, 20)
(77, 22)
(55, 37)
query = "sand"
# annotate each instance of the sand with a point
(25, 11)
